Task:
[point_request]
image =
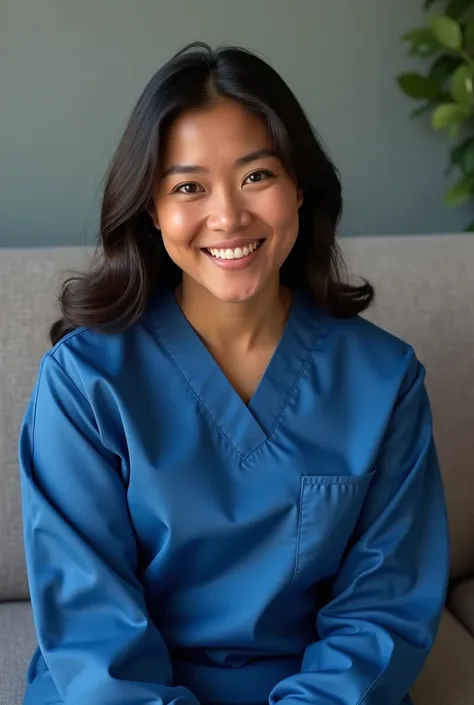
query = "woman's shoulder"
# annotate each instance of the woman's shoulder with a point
(89, 356)
(368, 347)
(370, 335)
(357, 332)
(86, 346)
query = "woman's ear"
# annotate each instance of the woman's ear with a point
(300, 197)
(153, 214)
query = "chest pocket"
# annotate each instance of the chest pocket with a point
(328, 512)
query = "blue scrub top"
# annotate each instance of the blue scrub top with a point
(184, 547)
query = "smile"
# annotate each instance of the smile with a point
(237, 253)
(234, 258)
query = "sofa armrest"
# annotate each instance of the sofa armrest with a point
(448, 677)
(461, 603)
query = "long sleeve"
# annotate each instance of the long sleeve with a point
(379, 625)
(91, 619)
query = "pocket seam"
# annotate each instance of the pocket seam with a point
(321, 481)
(340, 480)
(298, 537)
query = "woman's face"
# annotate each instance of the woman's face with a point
(226, 207)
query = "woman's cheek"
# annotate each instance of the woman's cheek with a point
(178, 224)
(279, 207)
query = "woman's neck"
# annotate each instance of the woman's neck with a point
(236, 326)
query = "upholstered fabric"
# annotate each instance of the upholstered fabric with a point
(448, 678)
(17, 643)
(461, 603)
(28, 285)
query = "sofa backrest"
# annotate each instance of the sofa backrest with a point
(425, 294)
(28, 287)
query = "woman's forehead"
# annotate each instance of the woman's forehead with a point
(225, 131)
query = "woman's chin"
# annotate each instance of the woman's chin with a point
(234, 294)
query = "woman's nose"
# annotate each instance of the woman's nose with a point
(228, 213)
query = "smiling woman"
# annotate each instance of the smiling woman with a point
(240, 211)
(231, 493)
(217, 143)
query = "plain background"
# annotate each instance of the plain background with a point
(71, 70)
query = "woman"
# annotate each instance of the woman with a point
(231, 493)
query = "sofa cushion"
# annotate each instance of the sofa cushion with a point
(28, 285)
(461, 603)
(17, 644)
(448, 677)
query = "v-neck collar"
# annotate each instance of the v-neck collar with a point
(245, 427)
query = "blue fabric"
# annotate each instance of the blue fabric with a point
(183, 547)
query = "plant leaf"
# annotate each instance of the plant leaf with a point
(417, 86)
(469, 228)
(468, 161)
(462, 155)
(457, 8)
(447, 31)
(449, 114)
(443, 67)
(423, 42)
(453, 131)
(469, 35)
(459, 193)
(462, 87)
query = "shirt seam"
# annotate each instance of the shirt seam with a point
(198, 399)
(367, 691)
(351, 481)
(298, 540)
(309, 358)
(70, 379)
(64, 340)
(284, 406)
(292, 391)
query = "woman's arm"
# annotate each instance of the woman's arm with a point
(387, 599)
(91, 619)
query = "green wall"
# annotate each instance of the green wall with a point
(70, 71)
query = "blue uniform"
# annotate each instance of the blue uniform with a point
(185, 547)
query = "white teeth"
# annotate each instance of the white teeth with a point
(238, 253)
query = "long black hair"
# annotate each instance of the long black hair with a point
(131, 262)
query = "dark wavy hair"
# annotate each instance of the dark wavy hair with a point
(130, 262)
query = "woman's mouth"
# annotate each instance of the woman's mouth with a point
(235, 257)
(235, 253)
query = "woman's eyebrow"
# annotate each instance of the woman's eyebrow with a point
(183, 169)
(253, 156)
(241, 161)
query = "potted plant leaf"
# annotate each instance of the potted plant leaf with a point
(446, 89)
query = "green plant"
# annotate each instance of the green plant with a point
(447, 88)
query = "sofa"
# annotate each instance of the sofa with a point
(425, 294)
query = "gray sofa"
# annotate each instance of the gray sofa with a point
(425, 291)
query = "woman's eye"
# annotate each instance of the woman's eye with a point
(188, 188)
(257, 176)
